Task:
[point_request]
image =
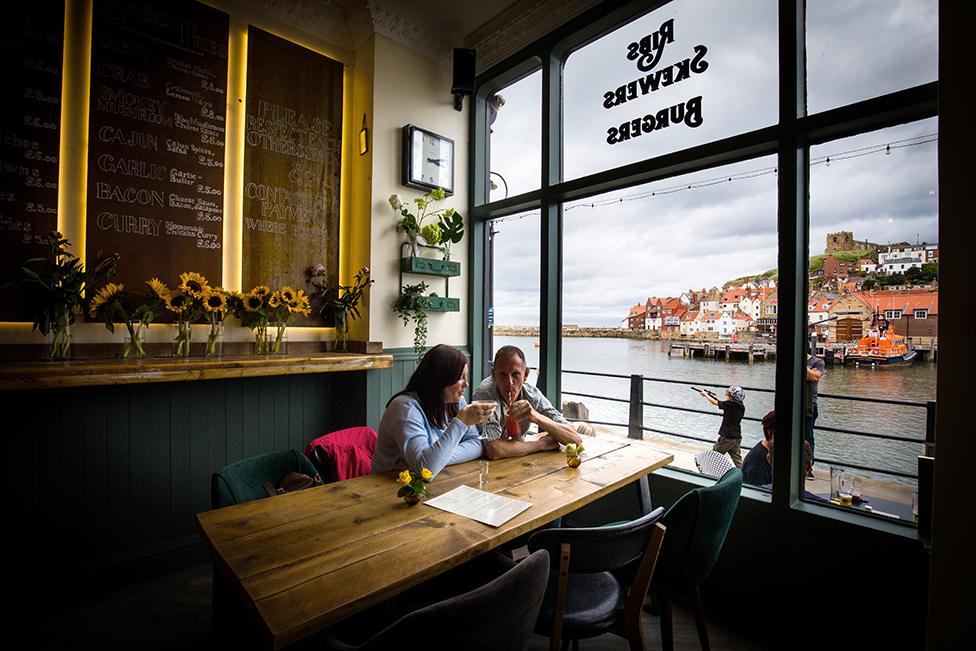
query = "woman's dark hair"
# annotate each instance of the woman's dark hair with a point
(441, 367)
(769, 425)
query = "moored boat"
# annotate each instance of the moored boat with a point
(881, 347)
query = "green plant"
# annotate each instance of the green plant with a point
(413, 304)
(341, 298)
(447, 230)
(57, 283)
(114, 303)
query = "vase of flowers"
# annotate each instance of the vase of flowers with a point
(341, 301)
(214, 310)
(413, 486)
(285, 304)
(446, 227)
(574, 452)
(56, 282)
(267, 314)
(186, 303)
(113, 304)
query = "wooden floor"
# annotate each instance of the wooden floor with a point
(173, 612)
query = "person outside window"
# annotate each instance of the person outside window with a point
(519, 405)
(428, 425)
(756, 469)
(814, 371)
(730, 431)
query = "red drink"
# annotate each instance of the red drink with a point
(512, 427)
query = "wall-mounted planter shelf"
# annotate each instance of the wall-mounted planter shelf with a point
(430, 267)
(441, 304)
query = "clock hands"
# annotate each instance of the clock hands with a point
(439, 161)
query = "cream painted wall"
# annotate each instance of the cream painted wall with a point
(412, 89)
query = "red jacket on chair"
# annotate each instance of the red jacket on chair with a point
(346, 453)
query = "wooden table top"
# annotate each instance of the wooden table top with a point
(304, 561)
(53, 375)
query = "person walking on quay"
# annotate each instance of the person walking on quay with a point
(730, 431)
(815, 371)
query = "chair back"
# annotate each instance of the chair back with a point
(712, 463)
(343, 454)
(697, 525)
(243, 481)
(499, 615)
(600, 549)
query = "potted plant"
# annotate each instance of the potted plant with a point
(414, 486)
(114, 303)
(446, 230)
(412, 304)
(341, 301)
(57, 282)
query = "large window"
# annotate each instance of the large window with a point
(677, 178)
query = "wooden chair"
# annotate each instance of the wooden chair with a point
(697, 525)
(494, 617)
(601, 579)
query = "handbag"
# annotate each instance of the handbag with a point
(291, 482)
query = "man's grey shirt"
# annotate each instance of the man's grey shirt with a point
(493, 428)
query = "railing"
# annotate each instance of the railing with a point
(636, 426)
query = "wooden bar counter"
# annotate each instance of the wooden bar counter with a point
(86, 373)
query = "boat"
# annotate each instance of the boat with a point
(881, 347)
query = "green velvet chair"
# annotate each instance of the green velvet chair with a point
(243, 481)
(697, 525)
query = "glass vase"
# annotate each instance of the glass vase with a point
(215, 339)
(181, 342)
(261, 339)
(341, 332)
(134, 347)
(278, 339)
(59, 337)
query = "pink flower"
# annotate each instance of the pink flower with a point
(317, 270)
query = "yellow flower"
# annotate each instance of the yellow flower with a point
(193, 284)
(426, 474)
(253, 302)
(176, 302)
(106, 293)
(287, 295)
(301, 304)
(159, 287)
(214, 301)
(261, 290)
(405, 477)
(275, 300)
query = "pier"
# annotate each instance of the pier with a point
(721, 350)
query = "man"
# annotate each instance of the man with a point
(519, 405)
(815, 371)
(756, 470)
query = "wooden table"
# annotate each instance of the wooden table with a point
(304, 561)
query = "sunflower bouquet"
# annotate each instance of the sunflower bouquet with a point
(188, 303)
(261, 307)
(285, 304)
(113, 304)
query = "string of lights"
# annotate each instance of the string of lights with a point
(741, 176)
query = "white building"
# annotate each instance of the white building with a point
(899, 265)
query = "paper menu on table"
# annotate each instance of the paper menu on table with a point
(493, 510)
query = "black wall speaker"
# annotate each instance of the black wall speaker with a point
(463, 72)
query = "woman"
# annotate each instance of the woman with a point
(428, 425)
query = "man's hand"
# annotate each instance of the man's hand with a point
(522, 410)
(546, 442)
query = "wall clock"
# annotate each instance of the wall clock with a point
(428, 160)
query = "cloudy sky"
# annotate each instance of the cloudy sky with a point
(661, 238)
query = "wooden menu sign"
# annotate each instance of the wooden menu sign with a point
(156, 138)
(292, 150)
(30, 122)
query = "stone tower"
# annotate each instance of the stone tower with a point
(840, 241)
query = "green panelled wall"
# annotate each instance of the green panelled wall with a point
(103, 477)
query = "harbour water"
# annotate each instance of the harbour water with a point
(915, 383)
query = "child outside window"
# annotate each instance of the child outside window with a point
(730, 431)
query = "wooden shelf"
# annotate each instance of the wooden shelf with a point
(54, 375)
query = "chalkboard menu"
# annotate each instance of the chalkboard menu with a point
(291, 163)
(156, 138)
(30, 122)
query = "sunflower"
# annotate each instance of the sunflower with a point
(253, 302)
(106, 293)
(287, 295)
(301, 305)
(193, 284)
(215, 301)
(261, 290)
(177, 302)
(275, 300)
(159, 287)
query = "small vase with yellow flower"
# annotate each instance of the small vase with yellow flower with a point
(414, 486)
(574, 454)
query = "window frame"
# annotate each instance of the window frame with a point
(790, 139)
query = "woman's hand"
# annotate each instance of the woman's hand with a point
(476, 412)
